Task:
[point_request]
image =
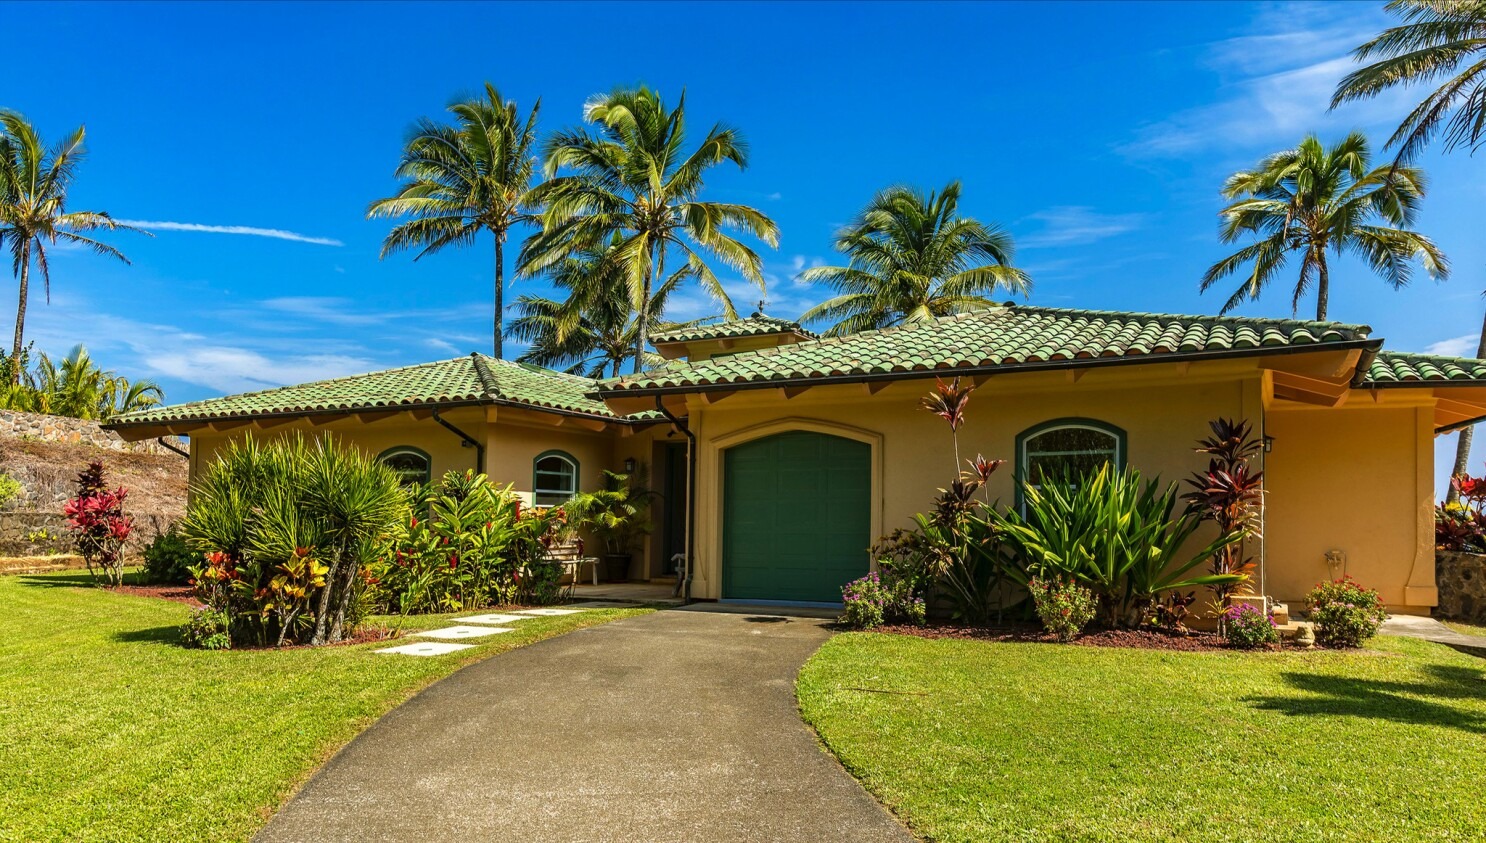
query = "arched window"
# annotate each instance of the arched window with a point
(554, 478)
(1067, 447)
(412, 465)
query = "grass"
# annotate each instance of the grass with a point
(112, 731)
(970, 741)
(1466, 628)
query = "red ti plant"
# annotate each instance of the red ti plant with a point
(1229, 493)
(1461, 525)
(948, 401)
(96, 517)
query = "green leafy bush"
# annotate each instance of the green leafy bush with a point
(1247, 628)
(1116, 534)
(476, 546)
(880, 597)
(1345, 613)
(207, 630)
(10, 488)
(169, 558)
(1063, 606)
(287, 529)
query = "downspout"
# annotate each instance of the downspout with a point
(691, 493)
(479, 449)
(169, 447)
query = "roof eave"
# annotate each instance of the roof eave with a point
(1045, 365)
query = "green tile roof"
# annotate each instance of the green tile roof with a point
(1009, 336)
(476, 379)
(756, 325)
(1393, 368)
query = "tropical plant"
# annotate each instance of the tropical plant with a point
(95, 515)
(594, 329)
(1113, 532)
(169, 558)
(913, 258)
(1230, 494)
(308, 511)
(632, 177)
(1438, 41)
(1460, 524)
(464, 179)
(948, 401)
(476, 546)
(1345, 613)
(878, 598)
(1063, 606)
(1313, 200)
(616, 515)
(78, 387)
(34, 181)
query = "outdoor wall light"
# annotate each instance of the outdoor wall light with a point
(629, 465)
(1268, 444)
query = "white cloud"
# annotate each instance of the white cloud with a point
(322, 309)
(232, 369)
(276, 233)
(441, 345)
(1464, 346)
(1276, 85)
(775, 196)
(1070, 225)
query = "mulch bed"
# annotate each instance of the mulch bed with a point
(178, 593)
(1142, 639)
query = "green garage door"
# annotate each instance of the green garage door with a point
(796, 517)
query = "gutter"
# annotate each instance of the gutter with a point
(169, 447)
(691, 497)
(1364, 362)
(479, 448)
(1003, 369)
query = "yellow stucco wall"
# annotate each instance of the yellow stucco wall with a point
(1358, 479)
(1162, 411)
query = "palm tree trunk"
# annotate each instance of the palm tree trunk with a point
(642, 329)
(20, 315)
(1323, 288)
(1463, 442)
(500, 289)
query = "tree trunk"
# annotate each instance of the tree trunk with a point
(1463, 442)
(1323, 287)
(642, 329)
(500, 291)
(20, 314)
(322, 610)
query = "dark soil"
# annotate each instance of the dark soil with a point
(1142, 639)
(178, 593)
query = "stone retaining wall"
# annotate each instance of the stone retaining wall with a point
(74, 431)
(17, 524)
(1461, 578)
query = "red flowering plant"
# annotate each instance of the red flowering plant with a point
(98, 524)
(1460, 525)
(1230, 494)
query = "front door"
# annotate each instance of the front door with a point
(796, 517)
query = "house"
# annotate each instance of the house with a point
(806, 449)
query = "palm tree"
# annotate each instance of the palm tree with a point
(464, 179)
(913, 259)
(34, 181)
(595, 328)
(78, 387)
(1312, 200)
(631, 176)
(1438, 39)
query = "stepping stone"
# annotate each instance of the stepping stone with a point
(495, 618)
(427, 648)
(548, 612)
(462, 632)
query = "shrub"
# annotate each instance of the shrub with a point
(287, 529)
(880, 597)
(1247, 628)
(1345, 613)
(98, 523)
(207, 630)
(1230, 493)
(1064, 606)
(168, 558)
(475, 546)
(10, 489)
(1461, 525)
(1172, 612)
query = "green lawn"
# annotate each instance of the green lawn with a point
(1466, 628)
(109, 730)
(986, 741)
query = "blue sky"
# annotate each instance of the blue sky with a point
(1098, 133)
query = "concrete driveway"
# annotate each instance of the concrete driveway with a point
(675, 726)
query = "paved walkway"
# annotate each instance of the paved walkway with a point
(1429, 629)
(675, 726)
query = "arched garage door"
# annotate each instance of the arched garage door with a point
(796, 517)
